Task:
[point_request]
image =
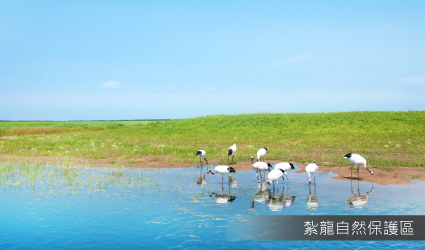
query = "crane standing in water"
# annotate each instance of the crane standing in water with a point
(311, 169)
(221, 169)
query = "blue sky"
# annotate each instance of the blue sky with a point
(89, 60)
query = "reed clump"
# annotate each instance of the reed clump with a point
(46, 180)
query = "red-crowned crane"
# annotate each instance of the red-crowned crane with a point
(232, 151)
(284, 166)
(201, 154)
(274, 176)
(261, 153)
(311, 169)
(221, 169)
(261, 167)
(357, 160)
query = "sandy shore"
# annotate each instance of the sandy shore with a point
(399, 175)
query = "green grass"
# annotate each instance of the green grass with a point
(385, 139)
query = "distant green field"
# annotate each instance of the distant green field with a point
(4, 126)
(386, 139)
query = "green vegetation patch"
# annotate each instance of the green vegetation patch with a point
(385, 139)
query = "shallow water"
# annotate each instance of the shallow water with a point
(52, 207)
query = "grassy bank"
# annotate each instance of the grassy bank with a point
(386, 139)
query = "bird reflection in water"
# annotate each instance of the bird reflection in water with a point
(262, 195)
(201, 180)
(312, 201)
(358, 201)
(223, 198)
(275, 201)
(233, 183)
(278, 201)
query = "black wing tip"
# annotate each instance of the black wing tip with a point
(283, 171)
(265, 149)
(292, 166)
(198, 153)
(269, 165)
(348, 155)
(231, 170)
(230, 151)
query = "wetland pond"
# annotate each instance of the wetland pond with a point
(51, 207)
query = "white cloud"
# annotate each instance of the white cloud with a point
(290, 60)
(416, 80)
(111, 84)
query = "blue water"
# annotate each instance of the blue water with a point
(179, 208)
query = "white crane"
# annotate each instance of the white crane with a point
(232, 151)
(311, 169)
(261, 153)
(221, 169)
(284, 166)
(274, 176)
(260, 167)
(357, 160)
(201, 154)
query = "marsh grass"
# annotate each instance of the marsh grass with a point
(386, 139)
(49, 180)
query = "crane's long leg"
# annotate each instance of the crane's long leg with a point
(352, 171)
(232, 157)
(358, 177)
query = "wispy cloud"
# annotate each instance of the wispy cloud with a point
(290, 60)
(415, 80)
(112, 84)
